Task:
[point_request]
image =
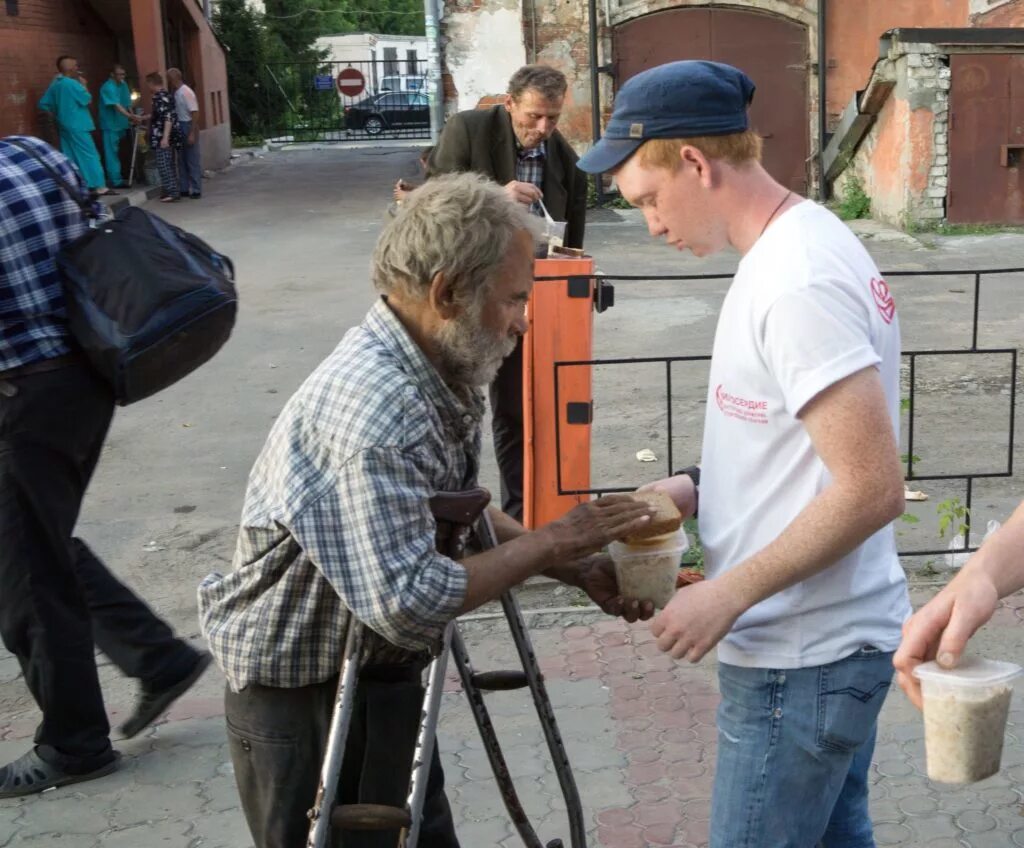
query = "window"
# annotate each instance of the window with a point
(393, 101)
(419, 100)
(412, 65)
(391, 60)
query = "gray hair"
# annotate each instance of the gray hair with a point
(461, 225)
(551, 83)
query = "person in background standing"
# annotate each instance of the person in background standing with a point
(190, 173)
(164, 136)
(68, 99)
(116, 120)
(517, 144)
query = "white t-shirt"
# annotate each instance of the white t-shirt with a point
(807, 308)
(185, 102)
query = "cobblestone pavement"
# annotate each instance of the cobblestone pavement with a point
(640, 733)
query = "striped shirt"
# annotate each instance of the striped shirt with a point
(336, 515)
(37, 219)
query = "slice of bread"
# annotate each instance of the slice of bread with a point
(667, 519)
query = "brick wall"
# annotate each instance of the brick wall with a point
(30, 43)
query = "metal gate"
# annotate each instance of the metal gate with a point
(341, 101)
(986, 139)
(604, 295)
(771, 51)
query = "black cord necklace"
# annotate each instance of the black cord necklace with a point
(789, 194)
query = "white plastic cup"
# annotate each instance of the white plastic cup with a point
(965, 712)
(647, 570)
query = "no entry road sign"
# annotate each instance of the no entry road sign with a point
(351, 82)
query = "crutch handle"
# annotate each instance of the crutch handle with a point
(369, 817)
(500, 681)
(462, 508)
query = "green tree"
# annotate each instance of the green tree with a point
(389, 17)
(242, 31)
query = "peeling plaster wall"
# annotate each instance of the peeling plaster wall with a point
(483, 47)
(903, 162)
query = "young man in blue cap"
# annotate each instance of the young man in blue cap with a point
(800, 475)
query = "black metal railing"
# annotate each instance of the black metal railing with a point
(338, 101)
(911, 356)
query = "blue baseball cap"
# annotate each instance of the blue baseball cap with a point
(677, 100)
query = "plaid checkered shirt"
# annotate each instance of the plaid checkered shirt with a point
(336, 515)
(37, 218)
(530, 168)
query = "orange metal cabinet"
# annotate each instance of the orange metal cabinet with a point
(560, 315)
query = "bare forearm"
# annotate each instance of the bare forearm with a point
(496, 571)
(507, 528)
(830, 527)
(1001, 558)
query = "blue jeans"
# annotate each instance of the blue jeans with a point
(794, 749)
(190, 173)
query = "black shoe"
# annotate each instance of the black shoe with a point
(152, 705)
(30, 774)
(195, 195)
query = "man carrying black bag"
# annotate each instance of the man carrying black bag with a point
(56, 598)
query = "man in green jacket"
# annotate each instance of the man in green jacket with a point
(116, 120)
(67, 99)
(517, 145)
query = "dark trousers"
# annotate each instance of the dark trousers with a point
(57, 599)
(278, 738)
(507, 428)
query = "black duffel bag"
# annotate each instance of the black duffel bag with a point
(147, 302)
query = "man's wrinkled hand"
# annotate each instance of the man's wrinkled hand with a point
(589, 527)
(525, 193)
(681, 489)
(696, 619)
(597, 579)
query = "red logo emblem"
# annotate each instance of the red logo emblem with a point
(883, 300)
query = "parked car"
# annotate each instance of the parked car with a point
(395, 82)
(393, 110)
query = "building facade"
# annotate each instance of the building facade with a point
(387, 61)
(805, 84)
(142, 35)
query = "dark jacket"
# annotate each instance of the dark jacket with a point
(482, 140)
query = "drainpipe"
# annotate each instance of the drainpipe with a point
(822, 102)
(206, 10)
(435, 88)
(595, 92)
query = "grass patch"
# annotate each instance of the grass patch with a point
(246, 141)
(854, 202)
(694, 557)
(941, 228)
(612, 200)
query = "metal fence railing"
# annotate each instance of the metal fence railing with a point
(340, 101)
(911, 357)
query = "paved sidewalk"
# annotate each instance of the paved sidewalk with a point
(641, 737)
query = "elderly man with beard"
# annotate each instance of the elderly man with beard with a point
(337, 519)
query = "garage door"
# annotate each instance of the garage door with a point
(771, 51)
(986, 139)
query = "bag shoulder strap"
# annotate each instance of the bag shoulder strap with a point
(84, 204)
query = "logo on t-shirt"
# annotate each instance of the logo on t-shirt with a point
(883, 299)
(751, 411)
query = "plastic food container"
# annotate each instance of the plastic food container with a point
(647, 570)
(965, 711)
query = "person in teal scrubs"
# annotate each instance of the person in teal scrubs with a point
(116, 120)
(67, 99)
